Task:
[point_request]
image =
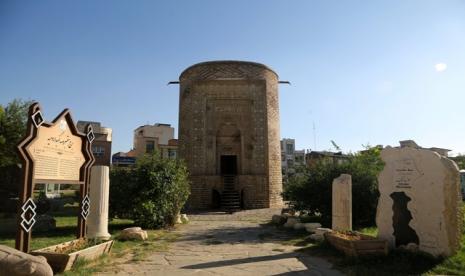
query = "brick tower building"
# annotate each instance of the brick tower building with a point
(229, 135)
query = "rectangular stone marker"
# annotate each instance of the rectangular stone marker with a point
(419, 204)
(342, 203)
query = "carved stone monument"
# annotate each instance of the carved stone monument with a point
(97, 222)
(342, 203)
(419, 204)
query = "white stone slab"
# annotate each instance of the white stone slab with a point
(419, 201)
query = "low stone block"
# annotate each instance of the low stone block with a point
(133, 233)
(184, 218)
(16, 263)
(178, 219)
(317, 237)
(312, 226)
(319, 233)
(290, 222)
(299, 226)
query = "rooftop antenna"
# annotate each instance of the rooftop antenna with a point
(314, 136)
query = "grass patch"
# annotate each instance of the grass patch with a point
(158, 240)
(294, 237)
(454, 265)
(370, 231)
(397, 262)
(81, 268)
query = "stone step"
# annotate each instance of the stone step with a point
(231, 205)
(230, 198)
(230, 195)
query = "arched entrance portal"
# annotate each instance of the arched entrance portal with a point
(228, 149)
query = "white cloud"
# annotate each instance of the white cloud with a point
(440, 67)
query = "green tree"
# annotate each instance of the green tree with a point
(460, 160)
(312, 190)
(13, 120)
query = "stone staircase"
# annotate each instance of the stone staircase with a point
(230, 199)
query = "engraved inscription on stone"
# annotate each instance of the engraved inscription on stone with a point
(406, 173)
(56, 153)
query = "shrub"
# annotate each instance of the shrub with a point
(311, 190)
(122, 192)
(152, 193)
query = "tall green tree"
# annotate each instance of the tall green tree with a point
(13, 119)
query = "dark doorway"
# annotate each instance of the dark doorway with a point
(228, 164)
(403, 233)
(216, 199)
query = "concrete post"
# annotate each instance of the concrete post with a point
(97, 221)
(342, 203)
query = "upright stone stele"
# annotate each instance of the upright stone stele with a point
(97, 222)
(419, 204)
(342, 203)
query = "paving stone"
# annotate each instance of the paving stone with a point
(234, 247)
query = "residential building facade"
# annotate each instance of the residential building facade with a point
(313, 157)
(290, 158)
(101, 146)
(148, 138)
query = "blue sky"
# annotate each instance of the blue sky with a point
(361, 71)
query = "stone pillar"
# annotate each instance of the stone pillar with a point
(342, 203)
(97, 221)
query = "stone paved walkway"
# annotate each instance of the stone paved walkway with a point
(222, 244)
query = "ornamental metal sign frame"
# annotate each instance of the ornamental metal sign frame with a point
(27, 207)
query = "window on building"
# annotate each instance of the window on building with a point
(289, 148)
(149, 146)
(98, 151)
(171, 154)
(290, 162)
